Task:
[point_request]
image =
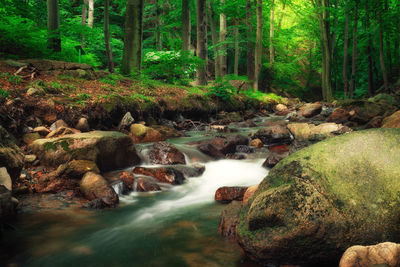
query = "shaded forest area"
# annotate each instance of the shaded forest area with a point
(320, 49)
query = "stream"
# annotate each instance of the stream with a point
(176, 227)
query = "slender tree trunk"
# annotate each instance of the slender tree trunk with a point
(354, 57)
(271, 36)
(214, 38)
(345, 54)
(53, 26)
(132, 55)
(371, 88)
(326, 47)
(185, 25)
(201, 17)
(84, 12)
(158, 27)
(388, 45)
(258, 50)
(222, 40)
(91, 14)
(110, 61)
(237, 51)
(250, 43)
(382, 60)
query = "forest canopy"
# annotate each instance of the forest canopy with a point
(308, 49)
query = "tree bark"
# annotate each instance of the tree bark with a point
(237, 51)
(271, 36)
(371, 88)
(222, 39)
(158, 27)
(382, 60)
(326, 47)
(214, 38)
(258, 50)
(53, 26)
(345, 54)
(84, 12)
(91, 14)
(185, 25)
(201, 17)
(388, 45)
(110, 61)
(250, 43)
(132, 55)
(354, 57)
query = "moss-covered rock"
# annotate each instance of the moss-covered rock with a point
(109, 150)
(11, 155)
(325, 198)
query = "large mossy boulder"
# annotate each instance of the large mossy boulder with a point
(109, 150)
(11, 156)
(325, 198)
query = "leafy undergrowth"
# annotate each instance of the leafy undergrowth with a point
(114, 88)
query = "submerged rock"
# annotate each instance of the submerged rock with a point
(109, 150)
(321, 200)
(166, 154)
(384, 254)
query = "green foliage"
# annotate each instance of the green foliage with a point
(264, 97)
(14, 79)
(222, 89)
(176, 67)
(112, 79)
(3, 93)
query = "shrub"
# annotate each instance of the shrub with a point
(3, 93)
(174, 67)
(222, 89)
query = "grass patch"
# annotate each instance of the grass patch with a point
(263, 97)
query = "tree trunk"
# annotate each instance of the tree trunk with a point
(84, 12)
(185, 25)
(222, 40)
(201, 17)
(250, 43)
(214, 38)
(382, 60)
(326, 47)
(345, 54)
(237, 51)
(271, 36)
(258, 50)
(158, 27)
(132, 55)
(371, 88)
(110, 61)
(91, 14)
(354, 57)
(388, 45)
(53, 26)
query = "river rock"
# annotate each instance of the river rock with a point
(109, 150)
(94, 186)
(339, 115)
(164, 174)
(384, 99)
(8, 204)
(385, 254)
(316, 203)
(218, 147)
(43, 131)
(166, 154)
(61, 131)
(30, 137)
(126, 121)
(58, 124)
(76, 169)
(5, 179)
(11, 156)
(392, 121)
(168, 132)
(146, 184)
(52, 183)
(272, 135)
(249, 193)
(228, 194)
(256, 143)
(144, 134)
(305, 131)
(83, 125)
(189, 171)
(272, 160)
(281, 110)
(310, 110)
(229, 219)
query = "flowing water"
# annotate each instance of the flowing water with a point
(177, 227)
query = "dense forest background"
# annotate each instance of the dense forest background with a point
(319, 49)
